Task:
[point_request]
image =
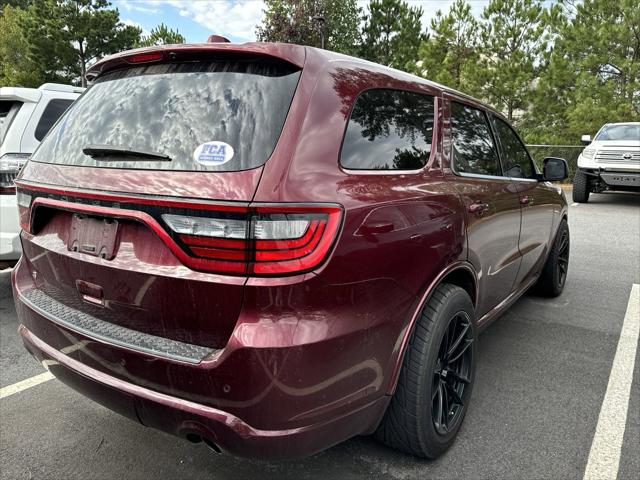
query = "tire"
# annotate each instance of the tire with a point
(554, 274)
(408, 424)
(581, 191)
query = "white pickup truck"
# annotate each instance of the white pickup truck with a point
(26, 115)
(611, 161)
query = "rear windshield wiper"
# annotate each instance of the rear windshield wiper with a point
(106, 152)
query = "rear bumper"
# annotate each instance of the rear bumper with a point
(184, 418)
(278, 389)
(9, 228)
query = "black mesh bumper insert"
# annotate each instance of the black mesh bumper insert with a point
(90, 326)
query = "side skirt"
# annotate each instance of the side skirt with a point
(484, 321)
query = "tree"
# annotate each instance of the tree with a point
(95, 31)
(511, 40)
(591, 76)
(305, 22)
(451, 51)
(161, 35)
(15, 3)
(392, 33)
(67, 36)
(16, 68)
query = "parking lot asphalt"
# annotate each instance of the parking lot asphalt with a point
(542, 375)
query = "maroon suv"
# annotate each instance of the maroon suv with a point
(273, 248)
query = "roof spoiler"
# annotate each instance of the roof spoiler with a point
(59, 87)
(293, 54)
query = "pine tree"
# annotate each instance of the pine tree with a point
(591, 76)
(451, 50)
(511, 40)
(392, 33)
(161, 35)
(307, 22)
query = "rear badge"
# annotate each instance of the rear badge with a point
(213, 153)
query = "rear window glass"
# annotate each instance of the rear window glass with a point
(389, 130)
(209, 116)
(52, 112)
(8, 111)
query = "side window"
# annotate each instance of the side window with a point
(389, 130)
(54, 109)
(516, 160)
(474, 150)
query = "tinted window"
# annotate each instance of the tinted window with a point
(473, 147)
(628, 131)
(389, 130)
(515, 159)
(214, 116)
(8, 111)
(52, 112)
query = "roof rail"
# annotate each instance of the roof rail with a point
(59, 87)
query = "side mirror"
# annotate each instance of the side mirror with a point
(554, 169)
(586, 139)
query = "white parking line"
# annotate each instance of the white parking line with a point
(604, 457)
(24, 384)
(575, 204)
(43, 377)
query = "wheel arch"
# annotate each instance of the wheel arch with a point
(461, 274)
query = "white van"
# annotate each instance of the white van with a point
(26, 115)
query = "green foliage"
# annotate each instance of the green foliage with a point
(56, 40)
(299, 21)
(92, 31)
(14, 3)
(450, 53)
(61, 38)
(16, 68)
(511, 39)
(161, 35)
(392, 33)
(591, 76)
(559, 70)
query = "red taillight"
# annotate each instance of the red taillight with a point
(248, 240)
(267, 241)
(145, 57)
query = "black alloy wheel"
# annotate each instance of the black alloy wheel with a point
(563, 257)
(436, 380)
(451, 374)
(554, 273)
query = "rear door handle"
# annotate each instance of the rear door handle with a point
(478, 207)
(526, 200)
(377, 227)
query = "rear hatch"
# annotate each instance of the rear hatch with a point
(135, 203)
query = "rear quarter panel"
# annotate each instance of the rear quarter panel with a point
(375, 281)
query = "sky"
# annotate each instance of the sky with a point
(234, 19)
